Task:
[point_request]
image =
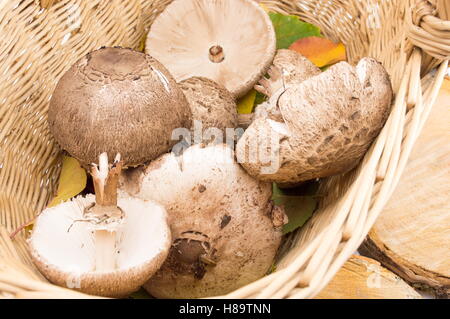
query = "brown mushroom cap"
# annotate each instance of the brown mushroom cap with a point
(63, 249)
(226, 231)
(269, 151)
(210, 103)
(329, 121)
(231, 42)
(340, 114)
(294, 67)
(117, 100)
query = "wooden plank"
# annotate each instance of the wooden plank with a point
(365, 278)
(412, 235)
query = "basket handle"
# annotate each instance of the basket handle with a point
(430, 29)
(443, 8)
(47, 3)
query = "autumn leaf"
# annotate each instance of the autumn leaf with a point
(299, 206)
(246, 103)
(289, 28)
(319, 51)
(141, 46)
(72, 181)
(264, 7)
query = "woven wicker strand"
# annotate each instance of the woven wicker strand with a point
(41, 39)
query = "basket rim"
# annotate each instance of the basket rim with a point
(314, 262)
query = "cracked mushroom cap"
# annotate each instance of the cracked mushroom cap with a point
(288, 68)
(329, 122)
(231, 42)
(62, 246)
(211, 104)
(225, 229)
(117, 100)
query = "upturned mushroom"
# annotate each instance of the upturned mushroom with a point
(213, 108)
(117, 100)
(225, 229)
(101, 246)
(322, 126)
(231, 42)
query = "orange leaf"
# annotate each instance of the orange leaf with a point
(319, 51)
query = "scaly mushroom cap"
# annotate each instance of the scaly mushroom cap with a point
(330, 120)
(117, 100)
(294, 67)
(63, 248)
(377, 93)
(225, 229)
(231, 42)
(211, 104)
(269, 151)
(341, 111)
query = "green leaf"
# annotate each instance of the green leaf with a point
(289, 29)
(298, 206)
(260, 98)
(140, 294)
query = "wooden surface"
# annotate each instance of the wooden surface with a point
(365, 278)
(412, 235)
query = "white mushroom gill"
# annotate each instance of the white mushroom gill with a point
(188, 32)
(63, 239)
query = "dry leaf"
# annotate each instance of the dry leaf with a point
(320, 51)
(71, 181)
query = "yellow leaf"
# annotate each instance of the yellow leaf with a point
(265, 8)
(141, 46)
(71, 181)
(320, 51)
(29, 227)
(245, 104)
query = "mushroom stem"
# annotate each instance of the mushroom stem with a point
(105, 180)
(216, 54)
(105, 244)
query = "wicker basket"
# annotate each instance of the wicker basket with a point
(41, 39)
